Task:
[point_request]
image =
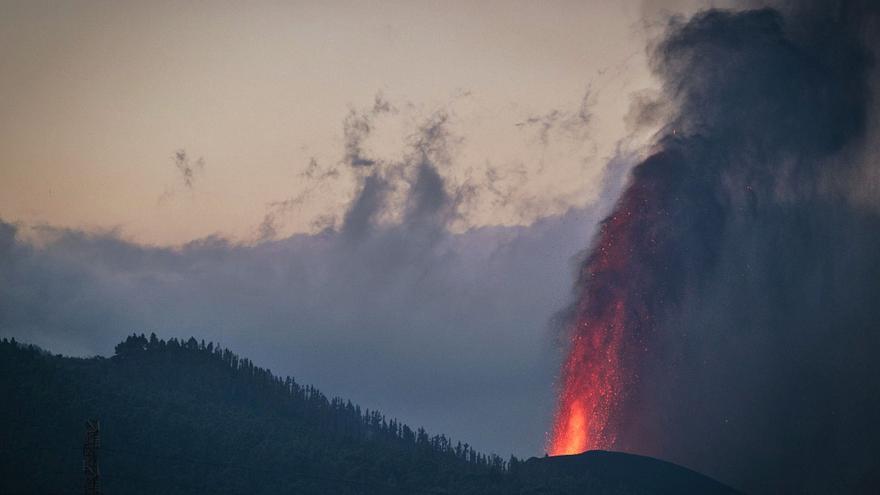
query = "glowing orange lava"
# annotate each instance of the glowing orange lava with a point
(606, 334)
(573, 438)
(591, 389)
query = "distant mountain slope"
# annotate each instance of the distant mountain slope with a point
(186, 418)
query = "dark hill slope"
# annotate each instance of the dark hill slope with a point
(186, 418)
(598, 471)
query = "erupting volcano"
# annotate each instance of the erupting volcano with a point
(624, 283)
(725, 317)
(592, 386)
(609, 324)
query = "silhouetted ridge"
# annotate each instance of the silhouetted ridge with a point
(335, 417)
(186, 417)
(598, 470)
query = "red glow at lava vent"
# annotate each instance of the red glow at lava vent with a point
(607, 333)
(591, 388)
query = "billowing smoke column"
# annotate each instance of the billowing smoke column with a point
(726, 316)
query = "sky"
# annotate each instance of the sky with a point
(98, 97)
(387, 200)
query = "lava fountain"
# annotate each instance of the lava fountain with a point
(618, 290)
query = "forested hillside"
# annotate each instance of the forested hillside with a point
(189, 417)
(186, 417)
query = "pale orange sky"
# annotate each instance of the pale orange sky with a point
(96, 97)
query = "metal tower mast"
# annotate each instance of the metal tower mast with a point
(92, 484)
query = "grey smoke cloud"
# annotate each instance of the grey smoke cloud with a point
(357, 127)
(436, 329)
(571, 124)
(188, 168)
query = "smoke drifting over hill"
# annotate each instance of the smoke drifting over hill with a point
(727, 315)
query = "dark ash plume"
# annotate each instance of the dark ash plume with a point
(736, 287)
